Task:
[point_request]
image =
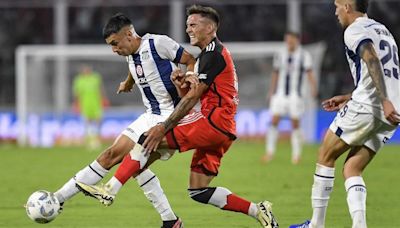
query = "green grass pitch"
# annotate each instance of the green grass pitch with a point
(25, 170)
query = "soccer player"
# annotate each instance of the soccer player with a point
(285, 94)
(210, 131)
(367, 118)
(89, 94)
(151, 60)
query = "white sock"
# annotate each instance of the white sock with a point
(114, 185)
(253, 210)
(151, 187)
(356, 200)
(321, 190)
(91, 174)
(272, 137)
(296, 143)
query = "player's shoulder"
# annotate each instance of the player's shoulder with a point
(215, 46)
(361, 25)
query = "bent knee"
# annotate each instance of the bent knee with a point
(110, 157)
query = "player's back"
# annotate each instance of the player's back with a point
(368, 30)
(151, 68)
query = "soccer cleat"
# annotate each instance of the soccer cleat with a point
(101, 192)
(173, 224)
(306, 224)
(265, 216)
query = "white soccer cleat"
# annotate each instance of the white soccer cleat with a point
(100, 192)
(265, 216)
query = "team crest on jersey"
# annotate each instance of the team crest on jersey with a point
(202, 76)
(145, 55)
(139, 70)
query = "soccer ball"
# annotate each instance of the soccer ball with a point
(42, 206)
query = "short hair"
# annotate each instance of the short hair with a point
(115, 24)
(204, 11)
(361, 5)
(293, 33)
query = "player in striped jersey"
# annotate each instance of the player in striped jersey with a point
(151, 59)
(366, 118)
(286, 95)
(210, 131)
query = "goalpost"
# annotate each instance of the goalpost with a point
(44, 74)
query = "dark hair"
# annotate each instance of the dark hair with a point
(204, 11)
(361, 5)
(115, 24)
(293, 33)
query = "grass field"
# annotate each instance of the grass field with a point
(26, 170)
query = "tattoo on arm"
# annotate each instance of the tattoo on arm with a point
(375, 70)
(181, 110)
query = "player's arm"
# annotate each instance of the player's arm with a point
(273, 84)
(210, 66)
(178, 77)
(375, 70)
(335, 103)
(127, 85)
(313, 83)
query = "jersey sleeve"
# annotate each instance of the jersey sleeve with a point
(307, 62)
(168, 48)
(355, 36)
(276, 62)
(211, 64)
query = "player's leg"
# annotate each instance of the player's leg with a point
(199, 190)
(271, 139)
(94, 172)
(357, 160)
(278, 108)
(205, 165)
(331, 148)
(296, 141)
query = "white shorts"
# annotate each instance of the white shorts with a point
(292, 106)
(356, 126)
(143, 124)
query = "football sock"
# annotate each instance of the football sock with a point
(126, 169)
(323, 185)
(221, 198)
(296, 144)
(151, 187)
(253, 210)
(91, 174)
(272, 137)
(356, 200)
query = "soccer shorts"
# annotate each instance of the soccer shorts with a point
(292, 106)
(356, 126)
(143, 124)
(196, 132)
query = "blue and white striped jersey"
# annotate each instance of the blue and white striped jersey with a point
(291, 67)
(151, 68)
(362, 30)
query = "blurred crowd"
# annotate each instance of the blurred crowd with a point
(265, 22)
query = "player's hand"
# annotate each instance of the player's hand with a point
(335, 103)
(125, 87)
(177, 77)
(154, 138)
(390, 113)
(191, 80)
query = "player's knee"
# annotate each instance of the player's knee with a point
(201, 195)
(110, 157)
(326, 157)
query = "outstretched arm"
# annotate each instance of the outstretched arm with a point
(156, 133)
(375, 70)
(127, 85)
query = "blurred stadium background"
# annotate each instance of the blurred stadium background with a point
(43, 43)
(35, 83)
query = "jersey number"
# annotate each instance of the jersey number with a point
(391, 54)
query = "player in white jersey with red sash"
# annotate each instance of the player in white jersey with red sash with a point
(367, 118)
(151, 60)
(292, 66)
